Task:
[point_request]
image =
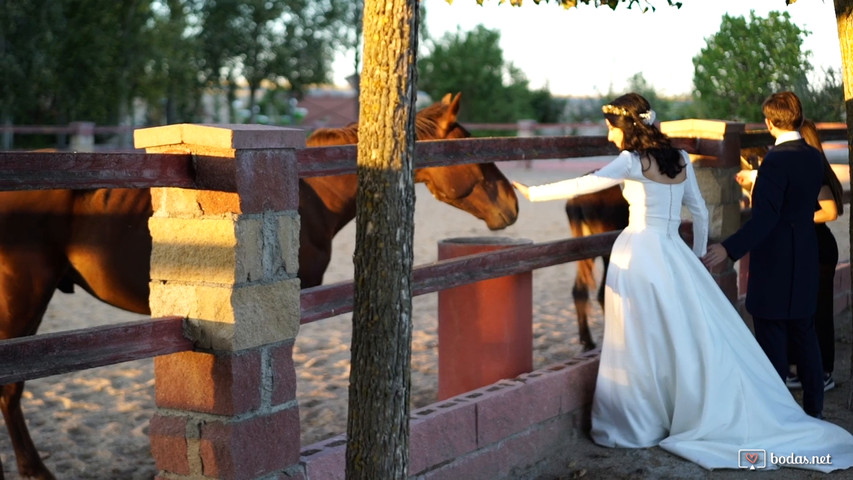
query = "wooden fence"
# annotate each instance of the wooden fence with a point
(714, 146)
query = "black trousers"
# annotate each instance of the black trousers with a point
(824, 320)
(827, 249)
(774, 337)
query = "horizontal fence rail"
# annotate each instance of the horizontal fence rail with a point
(50, 354)
(64, 170)
(42, 355)
(326, 301)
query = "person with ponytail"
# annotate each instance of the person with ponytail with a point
(830, 206)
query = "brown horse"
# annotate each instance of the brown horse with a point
(480, 189)
(590, 214)
(99, 240)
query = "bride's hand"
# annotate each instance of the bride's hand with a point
(716, 253)
(522, 189)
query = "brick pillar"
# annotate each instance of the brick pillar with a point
(228, 262)
(716, 163)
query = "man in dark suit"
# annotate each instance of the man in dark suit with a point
(783, 266)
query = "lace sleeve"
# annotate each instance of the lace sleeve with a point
(611, 174)
(696, 204)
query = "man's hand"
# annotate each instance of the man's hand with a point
(715, 255)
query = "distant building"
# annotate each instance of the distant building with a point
(329, 107)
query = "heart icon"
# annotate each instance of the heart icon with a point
(752, 457)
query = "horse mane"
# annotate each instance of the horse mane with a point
(434, 122)
(324, 137)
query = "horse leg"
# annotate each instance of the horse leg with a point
(30, 465)
(606, 260)
(580, 293)
(27, 283)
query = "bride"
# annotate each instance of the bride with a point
(679, 368)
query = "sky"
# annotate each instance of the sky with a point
(588, 51)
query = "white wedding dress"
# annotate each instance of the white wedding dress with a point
(679, 368)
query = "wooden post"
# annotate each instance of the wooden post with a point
(82, 137)
(228, 263)
(716, 164)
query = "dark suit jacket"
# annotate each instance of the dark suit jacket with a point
(780, 236)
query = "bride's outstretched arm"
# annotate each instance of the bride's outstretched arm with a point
(611, 174)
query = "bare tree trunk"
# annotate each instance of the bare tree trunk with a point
(380, 375)
(844, 17)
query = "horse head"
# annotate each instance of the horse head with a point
(477, 188)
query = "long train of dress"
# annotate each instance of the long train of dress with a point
(679, 368)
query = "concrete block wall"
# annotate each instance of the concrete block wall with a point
(505, 430)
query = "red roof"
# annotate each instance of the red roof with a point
(329, 109)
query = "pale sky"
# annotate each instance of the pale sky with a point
(586, 50)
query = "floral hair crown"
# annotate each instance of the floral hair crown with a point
(647, 117)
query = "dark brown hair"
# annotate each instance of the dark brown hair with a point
(784, 110)
(810, 135)
(647, 140)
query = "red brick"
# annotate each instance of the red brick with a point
(252, 447)
(283, 373)
(267, 180)
(168, 436)
(223, 384)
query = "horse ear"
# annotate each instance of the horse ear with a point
(454, 105)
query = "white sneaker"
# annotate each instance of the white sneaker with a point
(828, 382)
(793, 382)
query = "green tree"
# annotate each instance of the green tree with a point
(172, 87)
(546, 108)
(472, 63)
(288, 43)
(745, 61)
(824, 100)
(644, 4)
(68, 60)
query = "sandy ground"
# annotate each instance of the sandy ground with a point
(93, 424)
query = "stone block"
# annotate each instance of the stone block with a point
(226, 318)
(285, 227)
(194, 250)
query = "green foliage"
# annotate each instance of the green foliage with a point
(62, 62)
(288, 43)
(613, 4)
(493, 90)
(824, 101)
(665, 108)
(67, 60)
(745, 61)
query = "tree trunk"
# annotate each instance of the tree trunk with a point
(844, 17)
(380, 378)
